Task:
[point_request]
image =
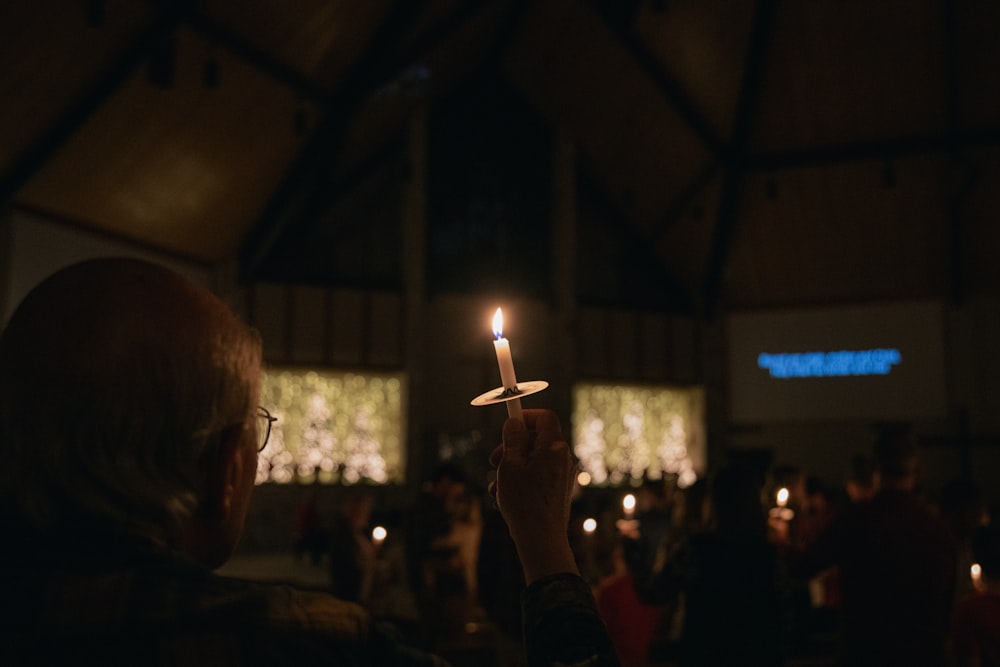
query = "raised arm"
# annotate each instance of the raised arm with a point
(535, 475)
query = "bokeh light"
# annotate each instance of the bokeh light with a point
(333, 427)
(623, 433)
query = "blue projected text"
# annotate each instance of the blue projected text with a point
(829, 364)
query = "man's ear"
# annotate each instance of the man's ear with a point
(224, 475)
(214, 530)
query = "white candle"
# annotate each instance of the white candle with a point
(503, 353)
(506, 364)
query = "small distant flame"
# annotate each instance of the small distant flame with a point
(589, 525)
(782, 497)
(498, 324)
(379, 533)
(628, 503)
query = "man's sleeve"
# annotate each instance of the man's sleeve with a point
(562, 625)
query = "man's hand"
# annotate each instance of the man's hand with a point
(535, 475)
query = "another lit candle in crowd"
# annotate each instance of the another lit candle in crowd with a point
(506, 364)
(589, 526)
(583, 479)
(628, 504)
(781, 511)
(379, 534)
(976, 572)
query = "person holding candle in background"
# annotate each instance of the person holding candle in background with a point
(129, 432)
(351, 550)
(651, 533)
(976, 619)
(628, 505)
(896, 558)
(634, 625)
(729, 577)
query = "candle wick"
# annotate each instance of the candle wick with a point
(509, 391)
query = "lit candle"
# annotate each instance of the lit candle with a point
(781, 511)
(589, 525)
(506, 364)
(976, 572)
(628, 504)
(379, 534)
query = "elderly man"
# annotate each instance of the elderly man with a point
(129, 433)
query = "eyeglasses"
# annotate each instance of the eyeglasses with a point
(264, 427)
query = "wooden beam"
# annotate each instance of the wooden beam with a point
(732, 185)
(299, 187)
(78, 112)
(668, 87)
(683, 200)
(258, 59)
(881, 149)
(304, 189)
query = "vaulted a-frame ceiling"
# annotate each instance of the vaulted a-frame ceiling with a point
(738, 154)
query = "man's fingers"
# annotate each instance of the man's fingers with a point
(492, 490)
(515, 441)
(540, 428)
(539, 420)
(496, 455)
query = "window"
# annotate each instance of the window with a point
(333, 427)
(623, 432)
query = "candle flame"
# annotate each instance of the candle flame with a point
(782, 496)
(498, 324)
(628, 502)
(379, 533)
(589, 525)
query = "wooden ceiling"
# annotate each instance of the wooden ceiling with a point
(733, 154)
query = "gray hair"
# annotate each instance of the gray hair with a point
(118, 379)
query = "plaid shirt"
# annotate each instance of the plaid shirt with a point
(160, 611)
(168, 612)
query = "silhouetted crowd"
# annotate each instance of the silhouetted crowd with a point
(747, 566)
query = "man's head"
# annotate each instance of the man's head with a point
(860, 480)
(127, 401)
(896, 456)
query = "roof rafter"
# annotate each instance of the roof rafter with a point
(732, 185)
(260, 60)
(941, 142)
(668, 87)
(304, 189)
(93, 97)
(299, 188)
